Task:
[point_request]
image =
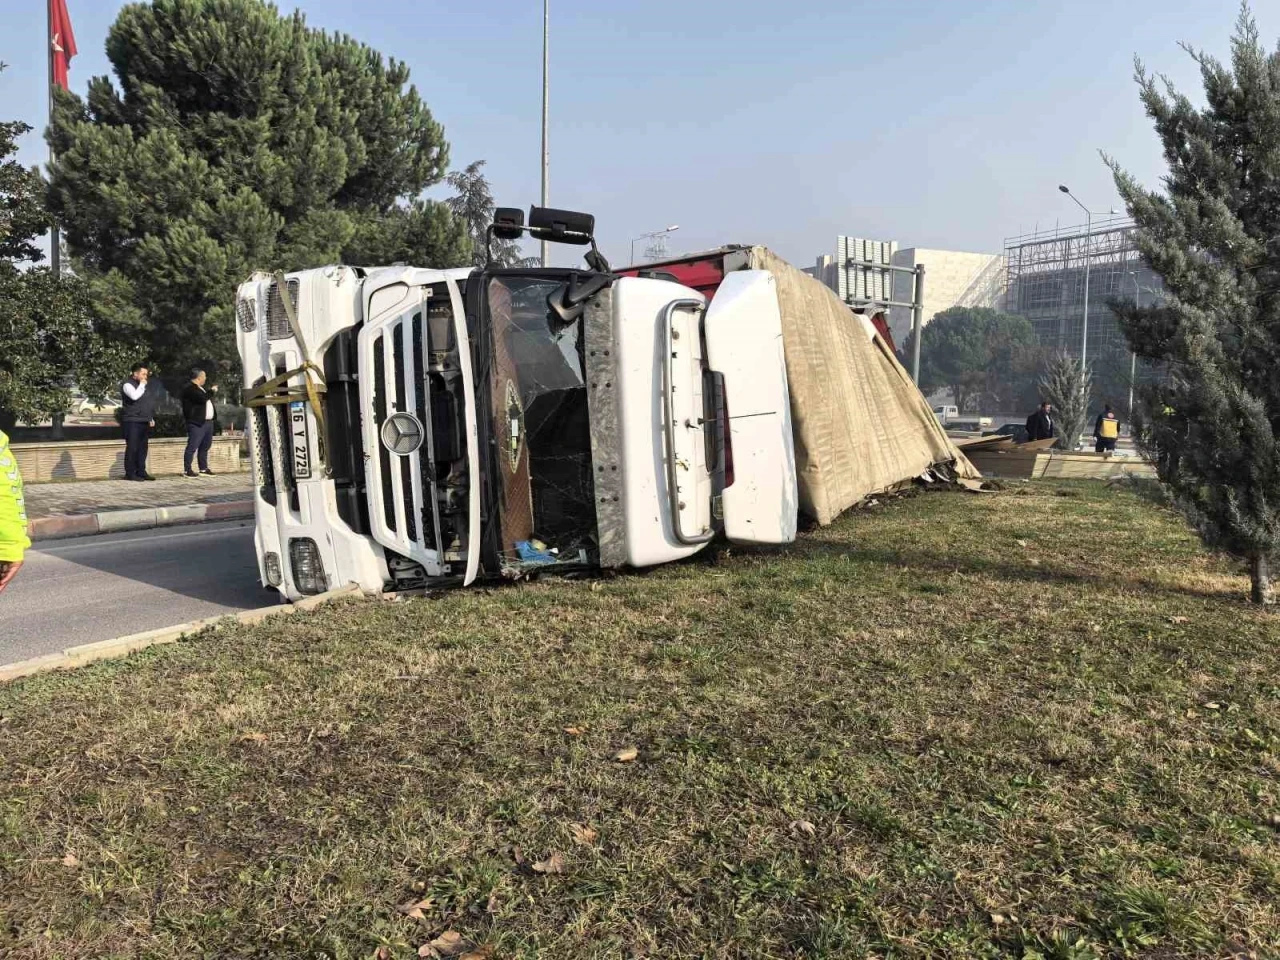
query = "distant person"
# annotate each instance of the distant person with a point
(138, 416)
(13, 515)
(1105, 431)
(199, 413)
(1040, 425)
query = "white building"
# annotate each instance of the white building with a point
(952, 278)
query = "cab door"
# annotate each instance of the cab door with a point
(742, 327)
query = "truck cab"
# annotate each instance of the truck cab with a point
(416, 428)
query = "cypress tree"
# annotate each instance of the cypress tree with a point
(1212, 421)
(1067, 385)
(233, 139)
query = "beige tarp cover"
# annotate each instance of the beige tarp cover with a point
(861, 426)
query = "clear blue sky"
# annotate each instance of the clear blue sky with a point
(937, 123)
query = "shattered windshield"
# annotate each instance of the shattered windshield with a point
(541, 420)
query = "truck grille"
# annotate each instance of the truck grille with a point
(263, 461)
(247, 315)
(405, 484)
(277, 320)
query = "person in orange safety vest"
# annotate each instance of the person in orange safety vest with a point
(1105, 431)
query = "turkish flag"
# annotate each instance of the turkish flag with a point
(62, 44)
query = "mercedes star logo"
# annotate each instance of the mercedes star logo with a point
(402, 434)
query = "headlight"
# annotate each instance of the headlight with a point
(275, 576)
(308, 571)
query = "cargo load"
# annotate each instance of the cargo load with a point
(861, 426)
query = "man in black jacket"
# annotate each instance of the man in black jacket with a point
(197, 410)
(137, 417)
(1040, 425)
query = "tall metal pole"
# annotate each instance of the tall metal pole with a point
(1133, 357)
(546, 106)
(1088, 257)
(55, 245)
(917, 324)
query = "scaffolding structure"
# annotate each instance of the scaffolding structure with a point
(1046, 285)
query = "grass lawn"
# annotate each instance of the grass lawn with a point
(1041, 723)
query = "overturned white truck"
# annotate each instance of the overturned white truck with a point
(415, 427)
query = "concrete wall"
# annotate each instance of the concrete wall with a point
(953, 278)
(104, 459)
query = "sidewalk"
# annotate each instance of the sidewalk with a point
(85, 507)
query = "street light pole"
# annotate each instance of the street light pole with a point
(55, 241)
(1133, 357)
(546, 105)
(1088, 250)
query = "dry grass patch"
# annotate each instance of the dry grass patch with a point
(1039, 724)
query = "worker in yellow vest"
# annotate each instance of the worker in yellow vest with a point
(13, 515)
(1105, 431)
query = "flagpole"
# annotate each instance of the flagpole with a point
(55, 250)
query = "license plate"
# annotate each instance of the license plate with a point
(301, 440)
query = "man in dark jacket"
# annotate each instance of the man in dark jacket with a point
(137, 417)
(1040, 425)
(197, 410)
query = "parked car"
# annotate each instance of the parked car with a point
(1017, 432)
(83, 406)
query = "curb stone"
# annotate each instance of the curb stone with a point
(87, 653)
(144, 518)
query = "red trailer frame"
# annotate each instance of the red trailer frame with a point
(705, 270)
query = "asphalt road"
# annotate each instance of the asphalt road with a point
(95, 588)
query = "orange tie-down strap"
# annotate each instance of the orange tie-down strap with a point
(278, 390)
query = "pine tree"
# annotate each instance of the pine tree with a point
(1212, 422)
(235, 139)
(1065, 385)
(986, 358)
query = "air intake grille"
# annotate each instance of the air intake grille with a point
(247, 315)
(277, 319)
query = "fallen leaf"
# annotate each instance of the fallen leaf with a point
(70, 860)
(1023, 543)
(575, 731)
(448, 944)
(997, 918)
(627, 755)
(582, 833)
(415, 909)
(553, 864)
(382, 953)
(804, 826)
(1213, 706)
(1176, 620)
(1034, 562)
(492, 905)
(253, 737)
(479, 953)
(517, 855)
